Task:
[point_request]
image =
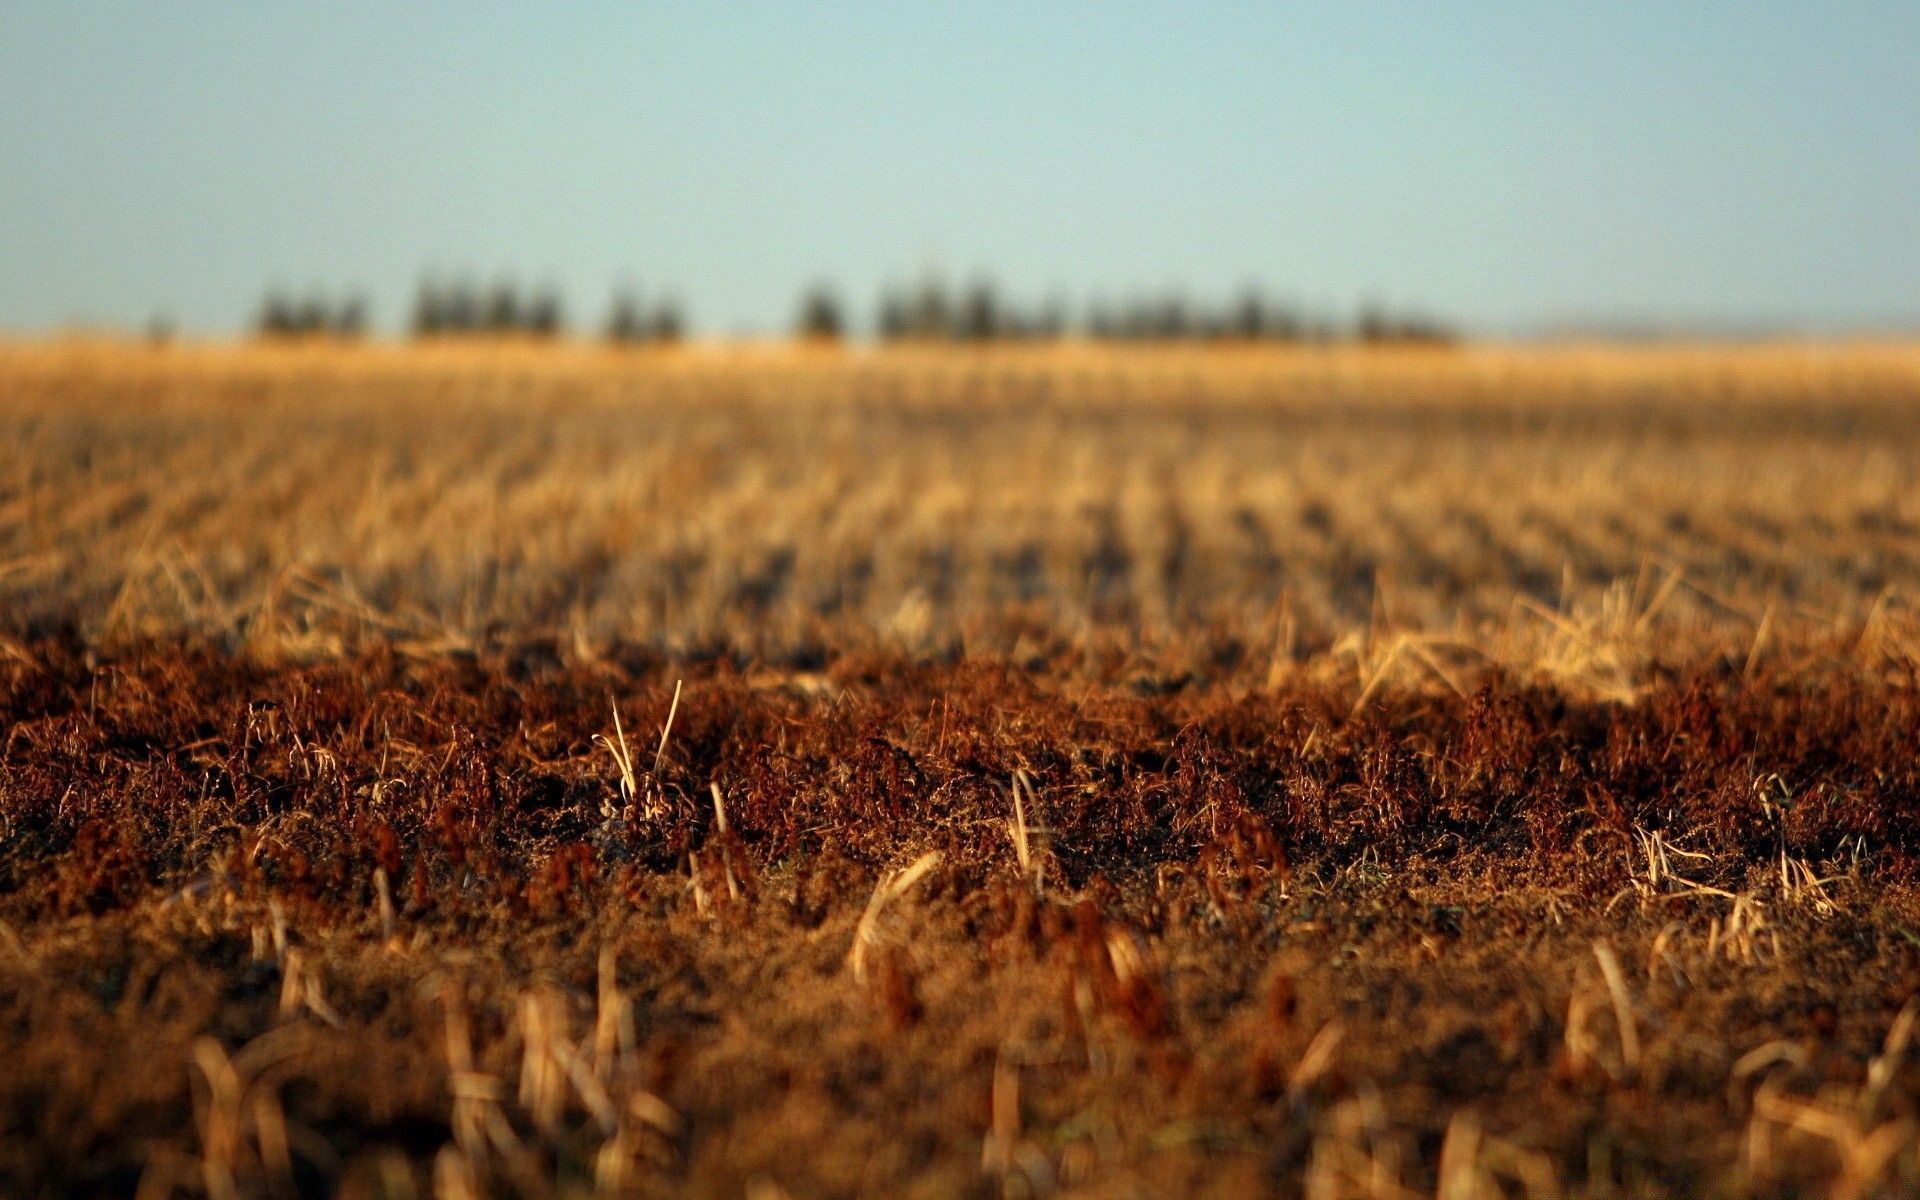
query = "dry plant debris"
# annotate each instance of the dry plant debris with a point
(1468, 774)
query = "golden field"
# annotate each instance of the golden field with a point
(1578, 509)
(472, 769)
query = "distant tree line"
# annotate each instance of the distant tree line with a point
(632, 321)
(313, 315)
(927, 311)
(459, 308)
(931, 311)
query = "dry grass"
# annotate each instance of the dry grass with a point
(1077, 771)
(1395, 515)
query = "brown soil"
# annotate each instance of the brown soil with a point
(387, 926)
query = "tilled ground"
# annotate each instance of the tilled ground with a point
(388, 926)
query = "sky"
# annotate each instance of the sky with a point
(1515, 167)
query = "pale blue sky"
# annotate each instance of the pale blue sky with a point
(1513, 165)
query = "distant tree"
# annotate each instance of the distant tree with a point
(1102, 323)
(668, 322)
(429, 310)
(1171, 320)
(311, 316)
(1284, 325)
(350, 317)
(462, 308)
(930, 313)
(626, 322)
(1049, 323)
(277, 318)
(980, 318)
(894, 320)
(1373, 325)
(1250, 321)
(541, 317)
(502, 313)
(820, 318)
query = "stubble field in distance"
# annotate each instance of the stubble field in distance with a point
(469, 770)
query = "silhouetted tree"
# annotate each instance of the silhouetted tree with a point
(310, 316)
(1102, 324)
(625, 320)
(502, 311)
(1249, 321)
(1049, 324)
(980, 318)
(894, 320)
(1284, 325)
(350, 318)
(668, 323)
(541, 317)
(429, 310)
(277, 317)
(1170, 320)
(820, 318)
(930, 314)
(461, 309)
(1372, 325)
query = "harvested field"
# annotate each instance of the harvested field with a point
(469, 771)
(1257, 504)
